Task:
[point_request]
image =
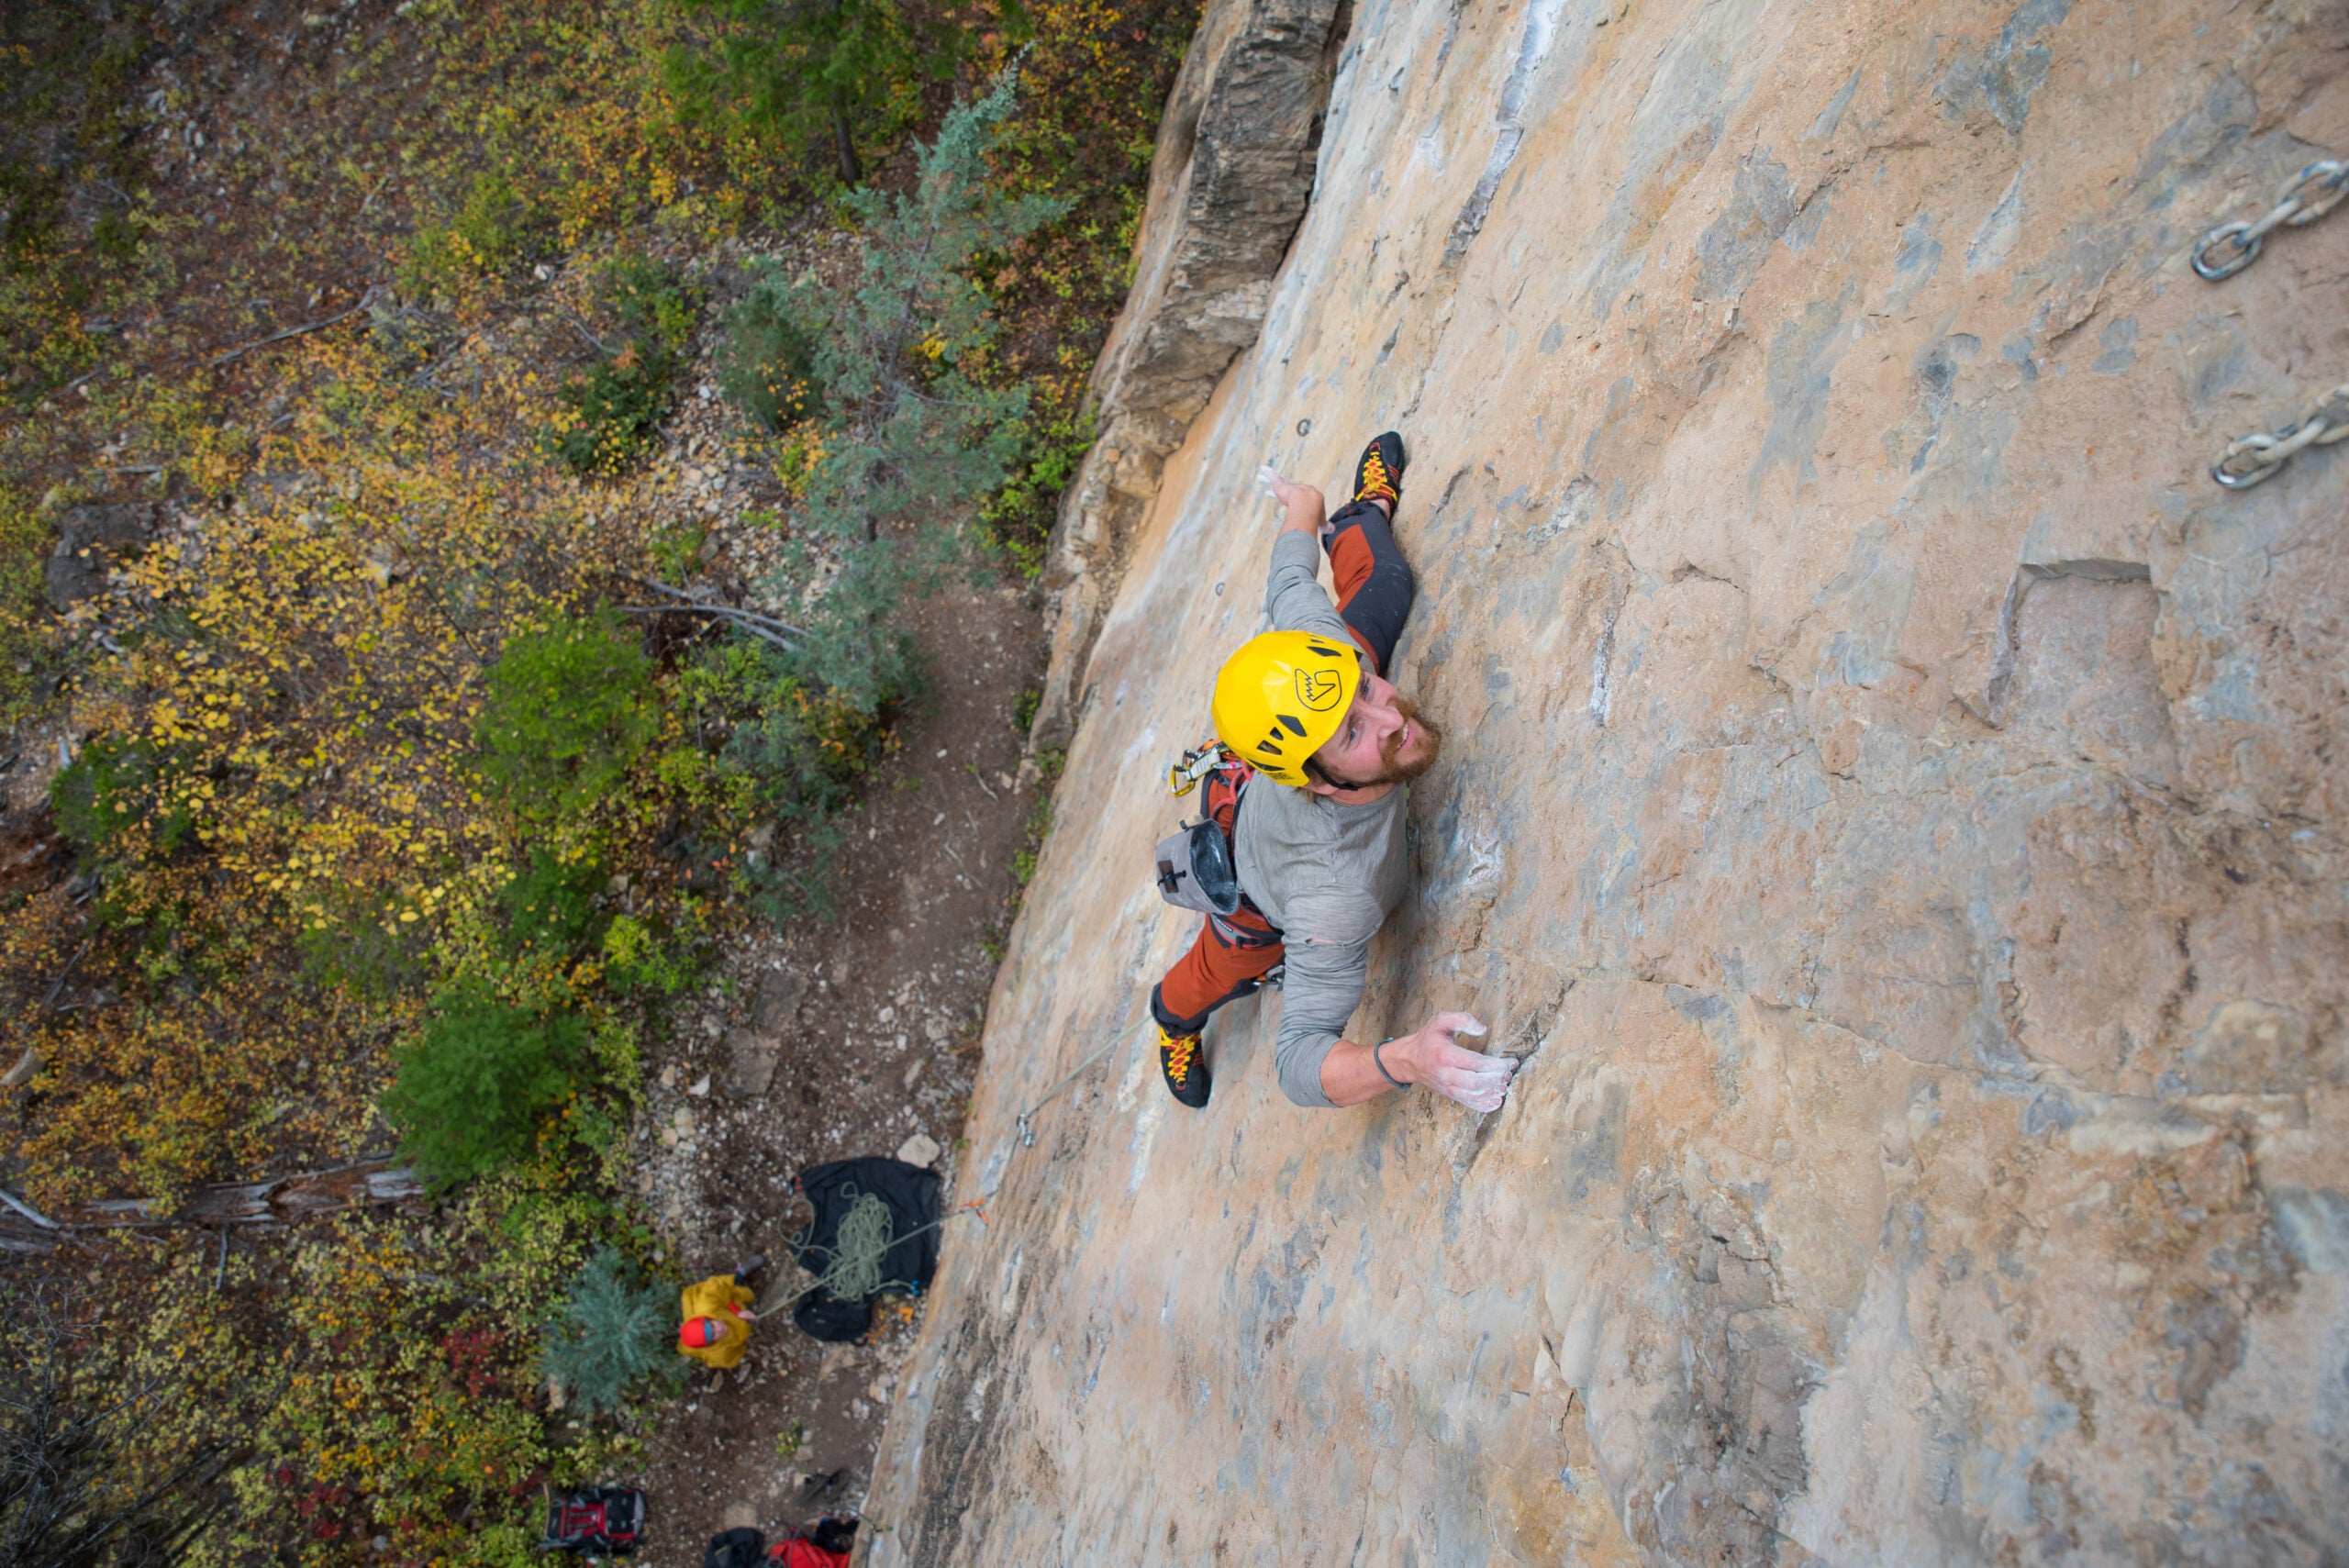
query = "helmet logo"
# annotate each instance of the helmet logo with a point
(1318, 689)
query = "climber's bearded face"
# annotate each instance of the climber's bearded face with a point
(1384, 740)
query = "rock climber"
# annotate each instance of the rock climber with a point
(1309, 786)
(717, 1316)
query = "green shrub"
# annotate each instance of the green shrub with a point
(675, 548)
(617, 407)
(114, 785)
(826, 76)
(24, 542)
(767, 367)
(798, 752)
(473, 1088)
(493, 230)
(638, 958)
(1052, 440)
(570, 706)
(652, 303)
(613, 1332)
(788, 756)
(550, 907)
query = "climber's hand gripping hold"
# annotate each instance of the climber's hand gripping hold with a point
(1432, 1058)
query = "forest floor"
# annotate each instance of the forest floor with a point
(880, 1049)
(261, 346)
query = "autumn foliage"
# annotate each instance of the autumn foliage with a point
(385, 832)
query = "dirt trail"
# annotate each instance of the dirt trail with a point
(880, 1045)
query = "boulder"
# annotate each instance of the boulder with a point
(91, 537)
(750, 1059)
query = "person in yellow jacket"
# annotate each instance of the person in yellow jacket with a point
(717, 1328)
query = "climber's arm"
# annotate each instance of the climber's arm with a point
(1318, 1067)
(1430, 1057)
(1294, 597)
(1319, 989)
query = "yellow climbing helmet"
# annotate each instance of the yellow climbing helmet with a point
(1283, 695)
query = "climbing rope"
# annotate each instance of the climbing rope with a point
(865, 1235)
(1024, 1123)
(867, 1232)
(2306, 196)
(2249, 458)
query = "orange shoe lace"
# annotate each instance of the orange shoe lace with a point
(1374, 485)
(1178, 1050)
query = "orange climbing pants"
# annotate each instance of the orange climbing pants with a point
(1232, 952)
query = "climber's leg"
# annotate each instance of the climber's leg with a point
(1216, 970)
(1375, 582)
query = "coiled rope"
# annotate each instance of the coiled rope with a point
(867, 1231)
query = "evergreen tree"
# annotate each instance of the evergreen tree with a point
(473, 1088)
(841, 70)
(611, 1333)
(913, 434)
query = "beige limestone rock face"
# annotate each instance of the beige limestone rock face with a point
(1893, 803)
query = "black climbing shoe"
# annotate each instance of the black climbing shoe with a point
(1185, 1070)
(1380, 475)
(756, 1261)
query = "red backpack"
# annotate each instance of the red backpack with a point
(801, 1552)
(826, 1544)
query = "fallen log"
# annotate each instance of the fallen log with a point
(276, 1200)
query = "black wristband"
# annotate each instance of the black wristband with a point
(1374, 1061)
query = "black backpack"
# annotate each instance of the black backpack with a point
(831, 1189)
(736, 1548)
(823, 1316)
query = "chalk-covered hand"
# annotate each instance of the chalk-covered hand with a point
(1302, 506)
(1440, 1062)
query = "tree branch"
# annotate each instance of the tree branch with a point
(243, 349)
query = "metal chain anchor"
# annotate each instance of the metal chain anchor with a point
(2249, 458)
(2307, 197)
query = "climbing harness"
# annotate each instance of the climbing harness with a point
(2307, 197)
(2249, 458)
(1178, 874)
(1024, 1123)
(1196, 866)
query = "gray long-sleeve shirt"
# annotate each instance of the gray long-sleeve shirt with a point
(1325, 874)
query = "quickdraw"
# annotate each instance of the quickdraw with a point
(1198, 763)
